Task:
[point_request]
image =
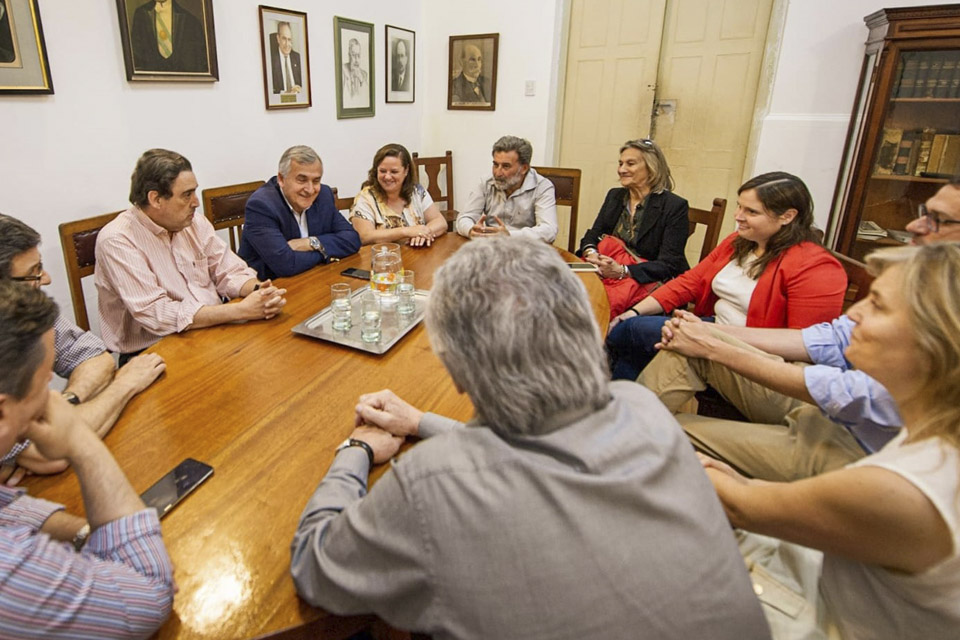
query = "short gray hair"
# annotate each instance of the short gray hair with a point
(512, 143)
(301, 154)
(516, 331)
(15, 238)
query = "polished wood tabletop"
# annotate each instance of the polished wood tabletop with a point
(266, 408)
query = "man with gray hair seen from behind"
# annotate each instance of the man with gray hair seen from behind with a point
(515, 200)
(162, 269)
(291, 223)
(115, 580)
(569, 507)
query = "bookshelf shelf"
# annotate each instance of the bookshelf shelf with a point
(905, 123)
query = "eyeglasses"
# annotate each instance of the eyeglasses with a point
(37, 277)
(933, 218)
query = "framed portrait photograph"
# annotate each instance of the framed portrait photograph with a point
(473, 72)
(353, 53)
(400, 46)
(24, 67)
(286, 58)
(168, 40)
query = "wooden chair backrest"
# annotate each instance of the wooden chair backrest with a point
(224, 208)
(858, 280)
(711, 219)
(432, 167)
(79, 242)
(343, 204)
(566, 184)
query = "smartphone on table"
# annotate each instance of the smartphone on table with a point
(362, 274)
(169, 490)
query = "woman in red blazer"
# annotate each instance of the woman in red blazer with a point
(770, 273)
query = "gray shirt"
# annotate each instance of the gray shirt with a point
(605, 527)
(530, 211)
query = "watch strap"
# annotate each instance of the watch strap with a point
(353, 442)
(71, 397)
(80, 538)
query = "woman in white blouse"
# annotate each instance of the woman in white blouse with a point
(889, 524)
(392, 206)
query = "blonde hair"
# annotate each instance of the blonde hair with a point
(931, 288)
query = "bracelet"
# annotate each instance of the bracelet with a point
(81, 536)
(633, 309)
(623, 272)
(353, 442)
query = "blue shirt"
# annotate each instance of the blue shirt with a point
(849, 397)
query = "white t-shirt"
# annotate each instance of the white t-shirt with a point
(868, 601)
(734, 288)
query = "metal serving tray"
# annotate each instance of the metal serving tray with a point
(393, 326)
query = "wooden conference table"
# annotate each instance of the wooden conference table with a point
(266, 408)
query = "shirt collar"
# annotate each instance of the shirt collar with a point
(150, 225)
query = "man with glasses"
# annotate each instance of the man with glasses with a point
(79, 356)
(805, 420)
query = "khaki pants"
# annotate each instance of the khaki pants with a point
(787, 439)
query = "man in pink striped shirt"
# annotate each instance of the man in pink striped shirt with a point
(116, 580)
(161, 268)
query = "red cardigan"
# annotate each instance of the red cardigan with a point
(804, 286)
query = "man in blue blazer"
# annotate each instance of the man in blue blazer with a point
(292, 223)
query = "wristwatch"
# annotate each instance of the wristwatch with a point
(71, 397)
(317, 246)
(352, 442)
(81, 536)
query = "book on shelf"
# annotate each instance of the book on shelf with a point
(923, 71)
(870, 229)
(933, 76)
(923, 153)
(887, 156)
(949, 67)
(955, 82)
(906, 153)
(950, 158)
(908, 77)
(936, 150)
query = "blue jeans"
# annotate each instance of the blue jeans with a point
(630, 345)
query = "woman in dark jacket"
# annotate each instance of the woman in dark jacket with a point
(638, 238)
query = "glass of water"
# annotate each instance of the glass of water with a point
(405, 292)
(341, 307)
(370, 317)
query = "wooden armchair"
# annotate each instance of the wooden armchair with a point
(566, 183)
(432, 167)
(711, 219)
(858, 280)
(79, 242)
(343, 204)
(224, 208)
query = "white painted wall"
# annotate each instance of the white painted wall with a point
(817, 71)
(529, 45)
(69, 156)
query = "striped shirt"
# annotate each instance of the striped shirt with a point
(73, 346)
(151, 284)
(119, 586)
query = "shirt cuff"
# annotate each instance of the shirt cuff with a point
(186, 313)
(106, 538)
(432, 424)
(23, 510)
(352, 459)
(817, 378)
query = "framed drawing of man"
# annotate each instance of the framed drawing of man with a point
(473, 72)
(400, 50)
(353, 52)
(286, 58)
(169, 40)
(23, 53)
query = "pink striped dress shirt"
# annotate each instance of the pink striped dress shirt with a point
(150, 284)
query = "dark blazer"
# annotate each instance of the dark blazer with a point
(662, 238)
(276, 64)
(269, 224)
(395, 84)
(189, 41)
(463, 89)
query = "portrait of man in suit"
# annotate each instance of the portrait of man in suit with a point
(355, 77)
(284, 61)
(167, 37)
(471, 80)
(400, 64)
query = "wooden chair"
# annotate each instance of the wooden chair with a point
(432, 167)
(566, 183)
(858, 280)
(711, 219)
(79, 242)
(343, 204)
(224, 208)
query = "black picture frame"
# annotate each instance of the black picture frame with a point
(355, 79)
(24, 66)
(479, 94)
(400, 54)
(191, 46)
(278, 93)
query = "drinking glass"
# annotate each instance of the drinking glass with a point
(341, 307)
(370, 317)
(384, 265)
(405, 292)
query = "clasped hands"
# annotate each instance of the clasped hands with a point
(383, 421)
(607, 266)
(687, 334)
(264, 302)
(484, 230)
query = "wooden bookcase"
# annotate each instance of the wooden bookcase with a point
(904, 136)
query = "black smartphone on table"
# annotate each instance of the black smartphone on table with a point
(362, 274)
(169, 490)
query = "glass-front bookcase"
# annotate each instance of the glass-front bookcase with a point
(904, 137)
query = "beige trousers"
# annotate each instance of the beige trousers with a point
(786, 439)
